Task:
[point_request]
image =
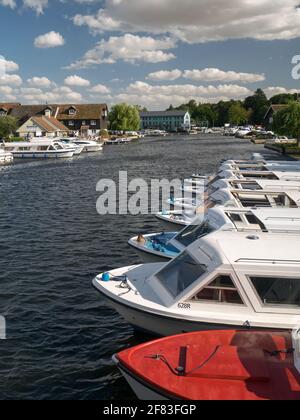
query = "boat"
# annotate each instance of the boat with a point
(175, 219)
(225, 280)
(89, 146)
(123, 140)
(221, 365)
(164, 246)
(68, 143)
(38, 149)
(5, 157)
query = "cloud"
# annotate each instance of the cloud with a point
(130, 48)
(197, 21)
(37, 5)
(165, 75)
(100, 89)
(11, 80)
(216, 75)
(76, 81)
(9, 3)
(8, 66)
(276, 90)
(50, 40)
(41, 82)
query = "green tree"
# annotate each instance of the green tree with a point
(124, 117)
(287, 121)
(237, 114)
(284, 98)
(257, 105)
(8, 126)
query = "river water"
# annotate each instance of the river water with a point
(60, 333)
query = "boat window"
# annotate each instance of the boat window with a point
(193, 232)
(234, 217)
(249, 201)
(251, 186)
(253, 220)
(43, 148)
(277, 290)
(180, 274)
(220, 290)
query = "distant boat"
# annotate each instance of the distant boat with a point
(89, 146)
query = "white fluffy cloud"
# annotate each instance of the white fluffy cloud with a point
(40, 82)
(10, 80)
(50, 40)
(199, 20)
(206, 75)
(130, 48)
(100, 90)
(161, 96)
(76, 81)
(163, 75)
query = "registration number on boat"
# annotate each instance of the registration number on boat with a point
(184, 305)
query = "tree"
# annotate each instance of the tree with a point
(237, 114)
(124, 117)
(258, 105)
(284, 98)
(8, 126)
(287, 121)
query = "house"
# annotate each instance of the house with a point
(42, 127)
(269, 117)
(166, 120)
(6, 108)
(87, 119)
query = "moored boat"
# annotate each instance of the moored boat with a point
(38, 149)
(225, 280)
(5, 157)
(220, 365)
(89, 146)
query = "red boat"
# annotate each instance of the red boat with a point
(215, 365)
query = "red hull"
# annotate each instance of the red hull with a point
(219, 365)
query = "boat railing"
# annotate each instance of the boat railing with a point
(268, 261)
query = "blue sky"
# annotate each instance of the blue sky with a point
(150, 52)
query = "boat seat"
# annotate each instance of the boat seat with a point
(229, 363)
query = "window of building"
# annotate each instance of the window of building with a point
(93, 122)
(72, 111)
(220, 290)
(71, 123)
(180, 274)
(275, 291)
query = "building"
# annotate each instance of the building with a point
(42, 127)
(87, 119)
(6, 108)
(166, 120)
(269, 117)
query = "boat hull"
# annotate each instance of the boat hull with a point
(93, 149)
(147, 256)
(172, 225)
(141, 389)
(160, 326)
(43, 155)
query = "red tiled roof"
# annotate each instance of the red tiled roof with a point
(49, 124)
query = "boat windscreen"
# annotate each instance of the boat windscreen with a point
(180, 274)
(193, 232)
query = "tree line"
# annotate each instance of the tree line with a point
(252, 110)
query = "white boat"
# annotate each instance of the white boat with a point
(89, 146)
(175, 219)
(38, 149)
(225, 280)
(5, 157)
(164, 246)
(68, 143)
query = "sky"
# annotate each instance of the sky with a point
(148, 52)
